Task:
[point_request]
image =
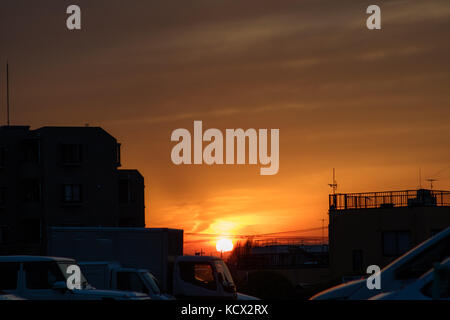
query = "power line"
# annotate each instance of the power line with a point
(250, 235)
(317, 238)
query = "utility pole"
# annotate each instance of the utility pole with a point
(7, 93)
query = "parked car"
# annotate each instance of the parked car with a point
(435, 284)
(397, 275)
(6, 296)
(45, 278)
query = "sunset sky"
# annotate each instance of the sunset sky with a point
(373, 104)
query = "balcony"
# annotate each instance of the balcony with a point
(389, 199)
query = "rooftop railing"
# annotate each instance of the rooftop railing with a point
(389, 199)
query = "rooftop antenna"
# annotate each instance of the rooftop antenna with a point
(431, 180)
(334, 184)
(7, 93)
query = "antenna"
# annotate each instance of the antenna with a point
(431, 180)
(7, 93)
(334, 184)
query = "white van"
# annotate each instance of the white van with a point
(400, 273)
(45, 278)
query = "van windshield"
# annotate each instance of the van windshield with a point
(152, 282)
(222, 268)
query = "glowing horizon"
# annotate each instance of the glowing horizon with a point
(375, 105)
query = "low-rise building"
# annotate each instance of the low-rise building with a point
(375, 228)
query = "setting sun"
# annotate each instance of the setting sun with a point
(224, 245)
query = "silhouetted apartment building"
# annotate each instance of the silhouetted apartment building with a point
(131, 199)
(62, 176)
(377, 227)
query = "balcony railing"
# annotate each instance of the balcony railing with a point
(389, 199)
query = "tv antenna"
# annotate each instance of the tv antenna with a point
(431, 180)
(333, 185)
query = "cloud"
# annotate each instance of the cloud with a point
(374, 104)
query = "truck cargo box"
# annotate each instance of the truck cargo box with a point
(154, 249)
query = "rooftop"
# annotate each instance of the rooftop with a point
(389, 199)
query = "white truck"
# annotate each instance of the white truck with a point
(45, 278)
(113, 276)
(397, 275)
(158, 250)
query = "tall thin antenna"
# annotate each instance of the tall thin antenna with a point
(7, 93)
(431, 180)
(334, 184)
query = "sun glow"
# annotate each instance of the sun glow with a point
(224, 245)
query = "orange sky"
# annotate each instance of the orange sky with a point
(373, 104)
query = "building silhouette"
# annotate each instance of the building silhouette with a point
(377, 227)
(62, 176)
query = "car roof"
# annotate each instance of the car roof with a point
(33, 259)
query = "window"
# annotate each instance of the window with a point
(2, 156)
(425, 260)
(199, 274)
(8, 275)
(118, 154)
(395, 243)
(72, 193)
(357, 259)
(63, 266)
(130, 281)
(222, 268)
(30, 150)
(441, 287)
(2, 234)
(31, 230)
(152, 281)
(126, 194)
(31, 190)
(42, 275)
(2, 196)
(71, 153)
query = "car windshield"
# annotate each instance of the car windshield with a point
(222, 268)
(63, 267)
(152, 281)
(425, 260)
